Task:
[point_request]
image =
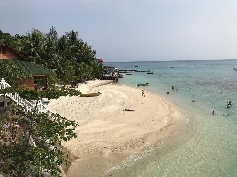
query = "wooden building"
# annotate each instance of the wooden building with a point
(9, 54)
(100, 60)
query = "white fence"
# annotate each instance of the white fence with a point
(29, 106)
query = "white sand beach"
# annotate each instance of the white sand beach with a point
(106, 133)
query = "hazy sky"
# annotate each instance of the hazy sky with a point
(134, 30)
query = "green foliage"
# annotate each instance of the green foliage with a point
(10, 72)
(72, 59)
(68, 55)
(33, 140)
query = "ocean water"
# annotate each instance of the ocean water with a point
(212, 148)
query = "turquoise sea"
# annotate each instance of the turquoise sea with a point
(212, 148)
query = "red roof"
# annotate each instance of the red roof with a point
(100, 60)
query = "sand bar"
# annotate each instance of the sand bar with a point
(106, 133)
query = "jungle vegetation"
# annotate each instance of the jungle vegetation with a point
(68, 55)
(30, 142)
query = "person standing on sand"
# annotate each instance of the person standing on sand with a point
(142, 92)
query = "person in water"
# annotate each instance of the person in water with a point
(229, 104)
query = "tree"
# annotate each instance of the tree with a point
(49, 52)
(67, 54)
(6, 37)
(34, 147)
(33, 47)
(34, 138)
(11, 72)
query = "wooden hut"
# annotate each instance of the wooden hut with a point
(100, 60)
(9, 54)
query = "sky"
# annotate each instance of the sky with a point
(133, 30)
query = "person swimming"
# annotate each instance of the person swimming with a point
(229, 104)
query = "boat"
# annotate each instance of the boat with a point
(90, 94)
(150, 73)
(146, 84)
(129, 74)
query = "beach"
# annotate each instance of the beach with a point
(117, 123)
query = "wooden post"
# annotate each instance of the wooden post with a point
(46, 80)
(5, 101)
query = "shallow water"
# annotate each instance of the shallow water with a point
(211, 151)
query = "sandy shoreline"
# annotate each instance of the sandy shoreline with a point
(106, 133)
